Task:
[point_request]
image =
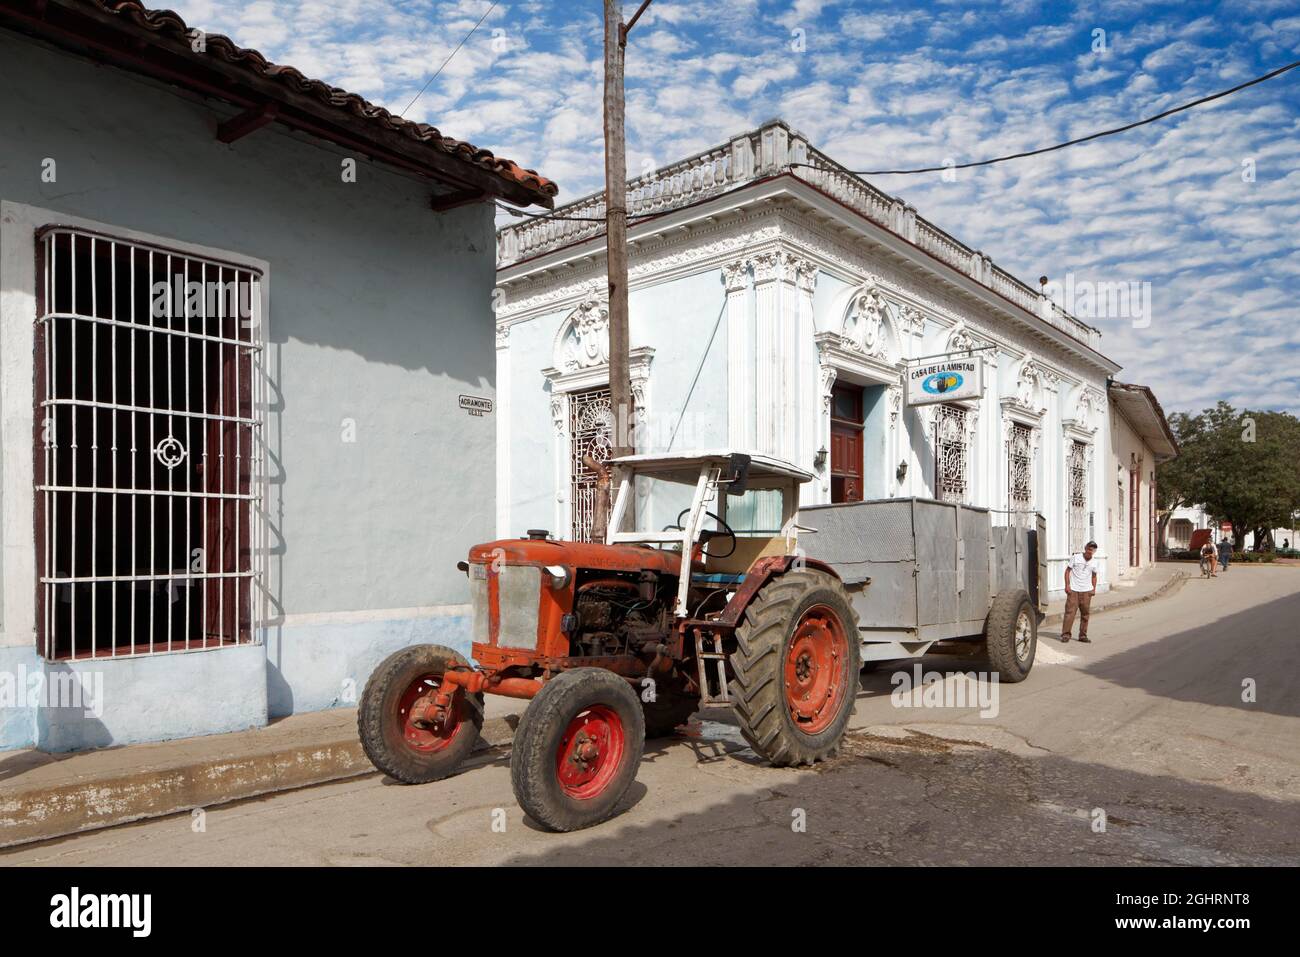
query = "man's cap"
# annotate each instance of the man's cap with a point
(1091, 545)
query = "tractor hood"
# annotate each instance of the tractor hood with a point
(527, 551)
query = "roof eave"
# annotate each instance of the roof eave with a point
(117, 40)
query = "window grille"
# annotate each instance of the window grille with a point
(591, 432)
(950, 454)
(149, 453)
(1020, 468)
(1078, 478)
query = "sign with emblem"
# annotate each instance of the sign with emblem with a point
(945, 379)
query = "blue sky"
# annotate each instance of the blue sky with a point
(894, 84)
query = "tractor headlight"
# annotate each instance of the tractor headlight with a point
(559, 575)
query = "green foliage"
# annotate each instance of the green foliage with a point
(1244, 467)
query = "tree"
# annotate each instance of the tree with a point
(1176, 479)
(1244, 468)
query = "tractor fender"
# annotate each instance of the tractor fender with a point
(759, 574)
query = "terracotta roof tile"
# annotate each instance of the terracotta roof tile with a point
(170, 24)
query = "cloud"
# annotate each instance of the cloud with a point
(900, 83)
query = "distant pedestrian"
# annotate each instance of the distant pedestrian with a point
(1080, 586)
(1225, 552)
(1209, 559)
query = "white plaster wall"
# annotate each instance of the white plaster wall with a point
(842, 265)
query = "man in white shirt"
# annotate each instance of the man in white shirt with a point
(1080, 586)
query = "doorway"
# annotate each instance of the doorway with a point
(847, 423)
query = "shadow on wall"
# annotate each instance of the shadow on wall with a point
(73, 704)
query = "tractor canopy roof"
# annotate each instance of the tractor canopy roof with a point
(760, 465)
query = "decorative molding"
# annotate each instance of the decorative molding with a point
(911, 321)
(895, 397)
(866, 327)
(583, 339)
(832, 353)
(735, 276)
(805, 271)
(962, 339)
(768, 266)
(828, 376)
(803, 234)
(1089, 406)
(594, 377)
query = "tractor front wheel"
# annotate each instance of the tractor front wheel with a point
(796, 667)
(405, 748)
(577, 749)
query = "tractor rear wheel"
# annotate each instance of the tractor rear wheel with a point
(396, 745)
(1011, 635)
(796, 667)
(577, 749)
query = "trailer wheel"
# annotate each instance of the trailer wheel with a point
(666, 713)
(1011, 635)
(577, 749)
(392, 742)
(796, 668)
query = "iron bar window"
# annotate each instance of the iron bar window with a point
(149, 451)
(951, 454)
(591, 433)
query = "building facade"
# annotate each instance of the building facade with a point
(1140, 440)
(233, 346)
(777, 304)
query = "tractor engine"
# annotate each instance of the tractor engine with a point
(619, 615)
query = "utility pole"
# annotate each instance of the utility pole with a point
(620, 384)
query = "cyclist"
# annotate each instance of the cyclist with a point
(1209, 557)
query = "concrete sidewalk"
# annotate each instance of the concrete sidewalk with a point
(1157, 581)
(45, 796)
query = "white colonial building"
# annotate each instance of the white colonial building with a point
(777, 302)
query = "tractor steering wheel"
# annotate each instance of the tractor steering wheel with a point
(707, 534)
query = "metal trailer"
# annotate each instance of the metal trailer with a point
(922, 571)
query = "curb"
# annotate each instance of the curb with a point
(40, 814)
(1172, 585)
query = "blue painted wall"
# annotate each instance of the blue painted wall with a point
(380, 317)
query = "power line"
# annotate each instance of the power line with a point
(448, 60)
(571, 219)
(1081, 139)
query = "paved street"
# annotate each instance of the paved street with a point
(1146, 725)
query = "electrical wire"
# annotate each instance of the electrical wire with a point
(569, 219)
(448, 60)
(1082, 139)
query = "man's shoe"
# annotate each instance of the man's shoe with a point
(1085, 639)
(1065, 639)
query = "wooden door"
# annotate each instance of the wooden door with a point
(846, 443)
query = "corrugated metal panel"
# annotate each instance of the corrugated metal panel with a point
(973, 603)
(936, 560)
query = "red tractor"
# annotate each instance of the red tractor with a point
(629, 638)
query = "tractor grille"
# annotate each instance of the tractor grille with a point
(519, 590)
(478, 598)
(510, 597)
